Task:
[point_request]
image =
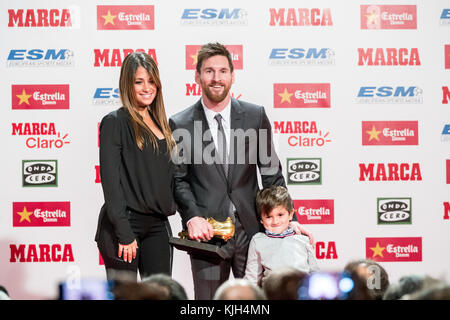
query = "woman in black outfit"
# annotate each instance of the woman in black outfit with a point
(136, 173)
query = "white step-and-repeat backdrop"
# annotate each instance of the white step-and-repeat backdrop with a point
(357, 93)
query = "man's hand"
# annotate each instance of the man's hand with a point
(199, 229)
(300, 230)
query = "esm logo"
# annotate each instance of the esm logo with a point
(213, 16)
(40, 58)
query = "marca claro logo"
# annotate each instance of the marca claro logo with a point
(394, 211)
(41, 252)
(214, 17)
(302, 56)
(304, 171)
(114, 57)
(383, 133)
(388, 17)
(40, 173)
(394, 249)
(44, 96)
(389, 94)
(118, 17)
(40, 135)
(40, 58)
(320, 211)
(388, 57)
(236, 52)
(301, 95)
(106, 97)
(300, 17)
(301, 133)
(389, 172)
(41, 214)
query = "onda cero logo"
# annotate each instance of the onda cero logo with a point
(40, 173)
(394, 211)
(303, 171)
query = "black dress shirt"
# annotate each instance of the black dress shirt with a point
(132, 179)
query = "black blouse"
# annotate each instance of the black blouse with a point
(132, 179)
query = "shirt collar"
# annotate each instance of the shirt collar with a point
(225, 113)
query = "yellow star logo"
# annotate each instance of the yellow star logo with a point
(373, 134)
(109, 18)
(285, 96)
(377, 250)
(194, 58)
(23, 97)
(25, 215)
(372, 18)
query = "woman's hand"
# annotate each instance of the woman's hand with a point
(128, 251)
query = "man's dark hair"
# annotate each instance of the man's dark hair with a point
(176, 290)
(269, 198)
(213, 49)
(409, 284)
(283, 284)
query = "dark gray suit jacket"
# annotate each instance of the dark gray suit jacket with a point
(201, 188)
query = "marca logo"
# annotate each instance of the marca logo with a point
(385, 133)
(300, 17)
(446, 210)
(447, 162)
(389, 172)
(41, 214)
(394, 211)
(388, 57)
(41, 253)
(43, 96)
(302, 133)
(114, 57)
(388, 17)
(39, 18)
(301, 95)
(394, 249)
(40, 58)
(314, 211)
(445, 17)
(97, 175)
(126, 17)
(304, 171)
(236, 52)
(35, 130)
(387, 94)
(39, 173)
(445, 95)
(106, 97)
(326, 250)
(214, 17)
(447, 56)
(301, 56)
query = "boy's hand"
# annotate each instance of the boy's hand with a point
(300, 230)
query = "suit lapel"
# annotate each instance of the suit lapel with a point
(236, 122)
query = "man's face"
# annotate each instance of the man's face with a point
(215, 78)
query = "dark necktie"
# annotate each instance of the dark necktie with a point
(222, 144)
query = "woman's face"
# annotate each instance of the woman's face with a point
(144, 87)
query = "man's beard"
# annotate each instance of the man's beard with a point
(216, 97)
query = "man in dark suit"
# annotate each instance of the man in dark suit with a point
(222, 142)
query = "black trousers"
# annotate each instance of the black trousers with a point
(209, 273)
(154, 254)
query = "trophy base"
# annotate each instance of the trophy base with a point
(194, 247)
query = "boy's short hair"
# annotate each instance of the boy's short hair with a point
(269, 198)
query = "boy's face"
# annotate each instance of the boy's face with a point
(277, 220)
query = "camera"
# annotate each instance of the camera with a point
(326, 286)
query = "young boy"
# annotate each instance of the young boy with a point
(279, 246)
